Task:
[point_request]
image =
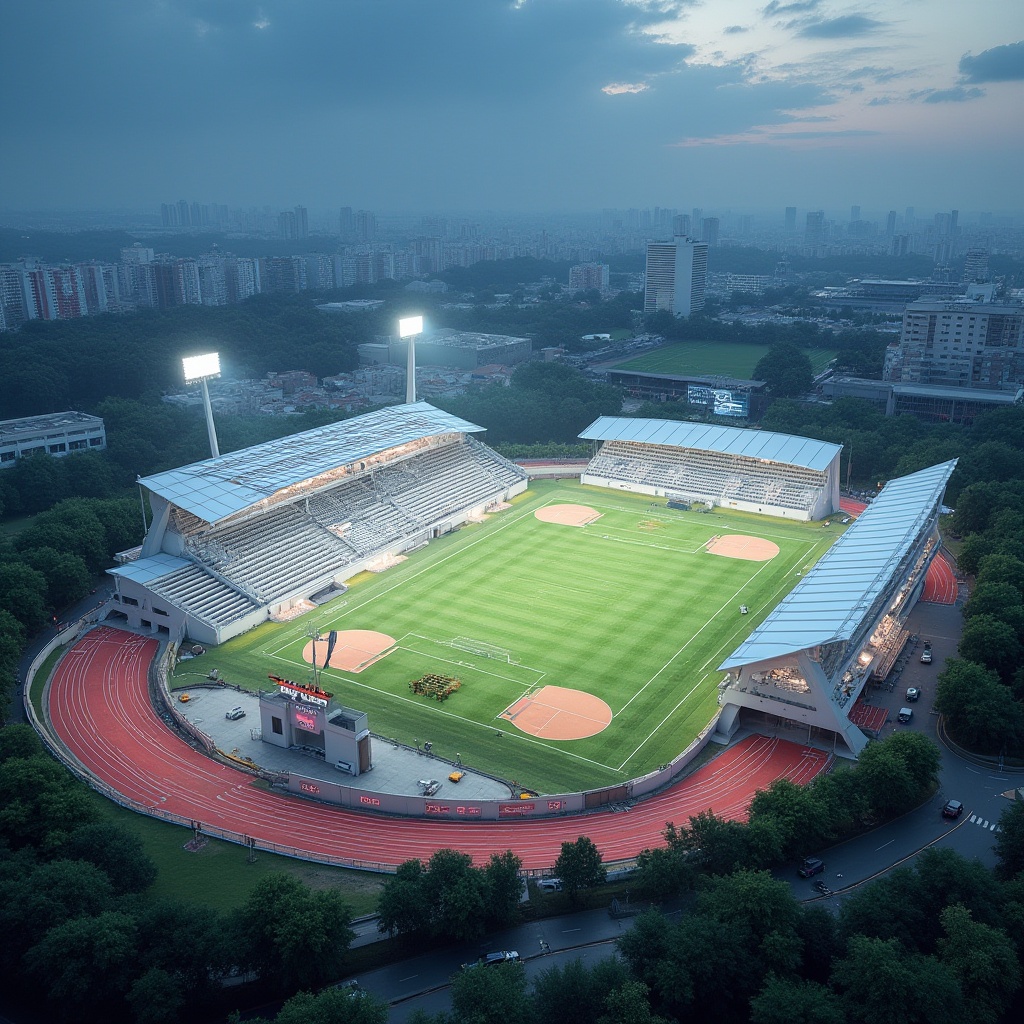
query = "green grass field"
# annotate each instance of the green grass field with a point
(630, 608)
(713, 358)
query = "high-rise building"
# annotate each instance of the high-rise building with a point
(301, 222)
(585, 276)
(960, 344)
(954, 218)
(854, 214)
(790, 220)
(676, 276)
(12, 298)
(976, 266)
(890, 224)
(697, 218)
(814, 232)
(709, 232)
(681, 224)
(366, 226)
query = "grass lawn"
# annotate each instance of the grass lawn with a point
(220, 876)
(10, 528)
(713, 358)
(630, 608)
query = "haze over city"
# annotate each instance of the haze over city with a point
(533, 105)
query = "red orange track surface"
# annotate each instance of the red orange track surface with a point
(99, 706)
(940, 586)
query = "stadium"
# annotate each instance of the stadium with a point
(599, 638)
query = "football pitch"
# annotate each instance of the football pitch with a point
(730, 359)
(631, 609)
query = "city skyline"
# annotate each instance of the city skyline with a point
(518, 105)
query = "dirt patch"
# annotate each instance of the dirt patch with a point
(568, 515)
(558, 713)
(736, 545)
(354, 650)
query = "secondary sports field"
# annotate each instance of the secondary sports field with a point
(545, 624)
(713, 358)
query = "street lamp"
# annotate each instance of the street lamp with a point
(204, 368)
(409, 327)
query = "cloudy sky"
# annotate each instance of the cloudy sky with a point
(519, 105)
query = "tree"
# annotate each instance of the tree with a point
(455, 892)
(156, 998)
(293, 934)
(1009, 844)
(40, 803)
(753, 901)
(792, 1001)
(579, 866)
(882, 772)
(23, 594)
(504, 887)
(882, 984)
(334, 1006)
(19, 741)
(573, 994)
(992, 643)
(402, 906)
(795, 810)
(67, 577)
(920, 755)
(114, 850)
(984, 961)
(786, 370)
(85, 965)
(721, 846)
(629, 1004)
(492, 995)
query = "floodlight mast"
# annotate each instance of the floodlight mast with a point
(204, 368)
(409, 327)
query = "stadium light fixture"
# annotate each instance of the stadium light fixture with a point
(409, 327)
(202, 369)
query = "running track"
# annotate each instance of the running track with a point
(940, 586)
(100, 709)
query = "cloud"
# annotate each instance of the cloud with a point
(879, 101)
(958, 94)
(837, 28)
(776, 8)
(732, 30)
(618, 88)
(999, 64)
(775, 135)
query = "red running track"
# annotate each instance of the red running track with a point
(940, 586)
(99, 706)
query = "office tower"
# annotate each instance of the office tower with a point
(890, 224)
(960, 344)
(954, 217)
(790, 220)
(676, 276)
(184, 214)
(301, 222)
(709, 232)
(746, 225)
(854, 214)
(900, 245)
(814, 232)
(908, 219)
(681, 224)
(697, 217)
(12, 298)
(976, 266)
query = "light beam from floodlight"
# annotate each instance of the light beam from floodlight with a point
(409, 327)
(203, 368)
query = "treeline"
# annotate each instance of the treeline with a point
(48, 366)
(84, 940)
(545, 402)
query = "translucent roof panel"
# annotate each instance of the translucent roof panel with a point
(754, 444)
(145, 570)
(830, 602)
(217, 488)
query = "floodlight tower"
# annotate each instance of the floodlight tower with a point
(204, 368)
(409, 327)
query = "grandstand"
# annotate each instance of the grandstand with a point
(749, 470)
(256, 533)
(807, 664)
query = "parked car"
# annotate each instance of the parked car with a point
(235, 713)
(905, 715)
(926, 657)
(499, 956)
(912, 694)
(549, 884)
(810, 866)
(953, 809)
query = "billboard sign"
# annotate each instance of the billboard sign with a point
(723, 401)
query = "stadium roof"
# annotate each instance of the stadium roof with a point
(145, 570)
(217, 488)
(754, 444)
(830, 602)
(718, 381)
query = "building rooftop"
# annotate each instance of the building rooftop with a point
(753, 444)
(48, 421)
(217, 488)
(466, 339)
(830, 602)
(737, 383)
